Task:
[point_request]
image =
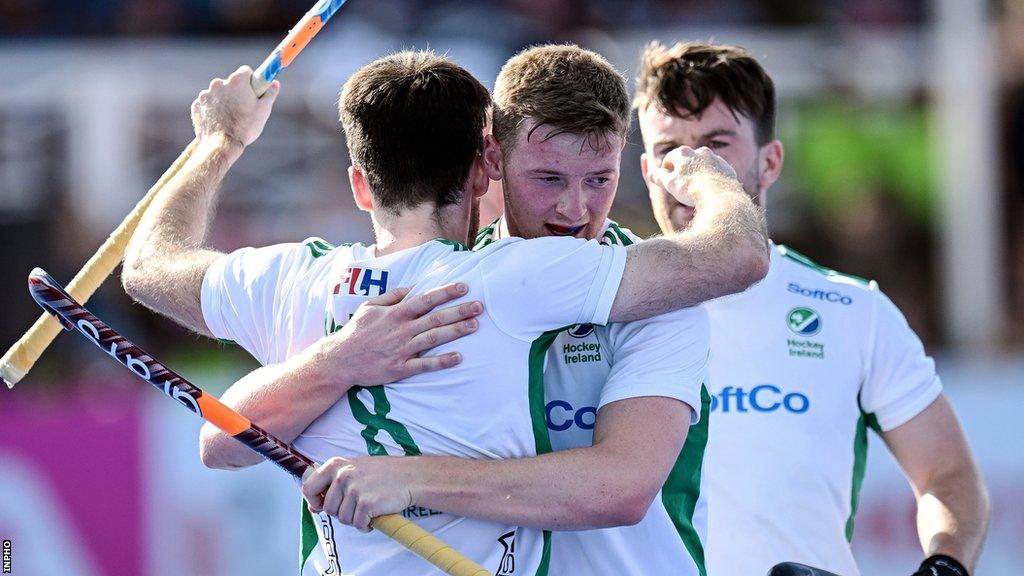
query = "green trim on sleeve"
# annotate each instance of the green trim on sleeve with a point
(860, 463)
(319, 247)
(681, 490)
(799, 258)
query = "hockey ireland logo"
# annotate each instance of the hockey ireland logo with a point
(804, 321)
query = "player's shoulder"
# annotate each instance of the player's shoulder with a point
(531, 246)
(808, 278)
(317, 252)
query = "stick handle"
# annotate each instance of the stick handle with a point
(17, 361)
(427, 546)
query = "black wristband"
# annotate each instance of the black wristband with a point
(941, 565)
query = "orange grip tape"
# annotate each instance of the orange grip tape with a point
(296, 42)
(223, 417)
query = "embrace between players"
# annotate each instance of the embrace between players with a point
(574, 410)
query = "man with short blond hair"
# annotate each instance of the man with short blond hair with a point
(804, 362)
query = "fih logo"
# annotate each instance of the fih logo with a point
(363, 282)
(581, 330)
(507, 565)
(804, 321)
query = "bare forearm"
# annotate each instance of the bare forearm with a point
(728, 238)
(569, 490)
(953, 514)
(724, 251)
(166, 259)
(283, 399)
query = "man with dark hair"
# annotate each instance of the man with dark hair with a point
(804, 362)
(282, 303)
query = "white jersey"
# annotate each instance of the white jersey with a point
(802, 364)
(276, 301)
(591, 366)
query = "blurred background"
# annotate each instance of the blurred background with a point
(903, 122)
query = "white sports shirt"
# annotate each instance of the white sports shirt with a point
(275, 301)
(802, 364)
(591, 366)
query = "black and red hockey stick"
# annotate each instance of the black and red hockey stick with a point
(73, 316)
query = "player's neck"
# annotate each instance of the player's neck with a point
(416, 226)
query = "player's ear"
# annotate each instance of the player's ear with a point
(479, 179)
(643, 168)
(360, 189)
(494, 159)
(770, 167)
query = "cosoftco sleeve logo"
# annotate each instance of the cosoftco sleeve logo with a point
(760, 398)
(561, 416)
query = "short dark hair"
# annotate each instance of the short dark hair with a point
(570, 89)
(685, 79)
(414, 124)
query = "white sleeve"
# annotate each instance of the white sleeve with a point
(666, 355)
(247, 297)
(532, 286)
(900, 379)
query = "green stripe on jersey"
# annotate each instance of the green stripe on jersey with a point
(860, 462)
(681, 490)
(307, 536)
(799, 258)
(538, 355)
(541, 438)
(545, 556)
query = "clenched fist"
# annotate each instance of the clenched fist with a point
(682, 165)
(230, 108)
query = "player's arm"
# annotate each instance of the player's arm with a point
(166, 260)
(952, 503)
(724, 250)
(381, 343)
(610, 483)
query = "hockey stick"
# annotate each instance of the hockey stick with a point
(71, 315)
(794, 569)
(26, 351)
